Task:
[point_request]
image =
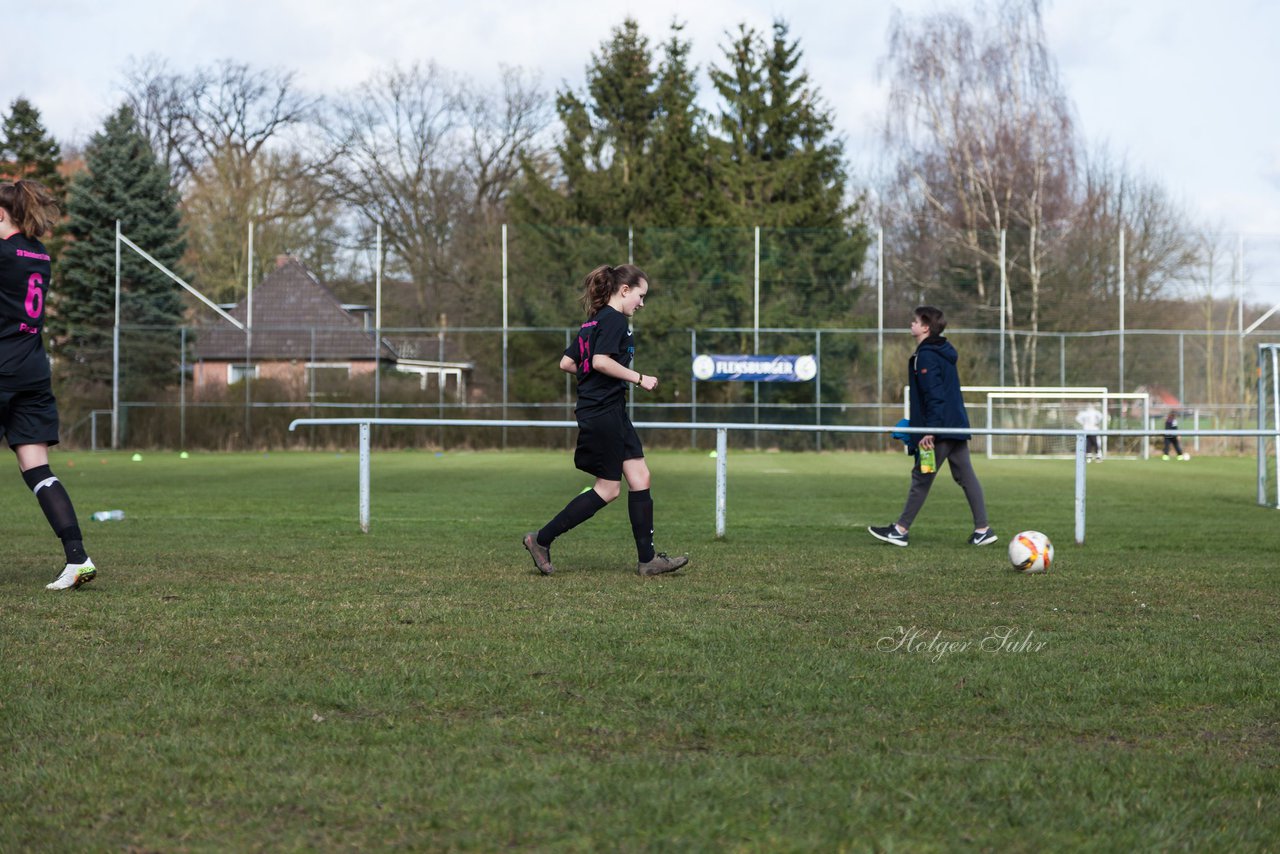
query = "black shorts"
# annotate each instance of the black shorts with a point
(605, 440)
(29, 417)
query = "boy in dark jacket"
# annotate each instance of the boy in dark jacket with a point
(936, 402)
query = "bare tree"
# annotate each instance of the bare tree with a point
(1164, 249)
(231, 138)
(501, 125)
(983, 140)
(431, 158)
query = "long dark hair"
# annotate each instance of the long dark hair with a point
(604, 281)
(33, 208)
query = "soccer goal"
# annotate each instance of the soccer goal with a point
(1269, 419)
(1066, 409)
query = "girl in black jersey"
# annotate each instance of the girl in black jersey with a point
(608, 446)
(28, 411)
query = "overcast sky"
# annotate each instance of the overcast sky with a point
(1184, 90)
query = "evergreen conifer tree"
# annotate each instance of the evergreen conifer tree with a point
(788, 165)
(632, 158)
(643, 172)
(122, 181)
(27, 150)
(785, 172)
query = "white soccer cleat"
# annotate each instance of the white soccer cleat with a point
(74, 575)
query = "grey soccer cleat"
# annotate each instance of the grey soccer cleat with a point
(541, 554)
(660, 564)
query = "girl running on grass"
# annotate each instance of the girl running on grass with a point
(608, 446)
(28, 410)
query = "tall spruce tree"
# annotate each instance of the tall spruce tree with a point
(633, 155)
(637, 152)
(788, 164)
(785, 172)
(608, 135)
(123, 181)
(28, 151)
(680, 167)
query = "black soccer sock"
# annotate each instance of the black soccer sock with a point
(57, 508)
(580, 509)
(640, 509)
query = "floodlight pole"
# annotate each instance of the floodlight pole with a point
(756, 298)
(880, 321)
(377, 321)
(115, 355)
(755, 340)
(504, 333)
(1240, 310)
(248, 340)
(182, 387)
(248, 277)
(1121, 265)
(1003, 290)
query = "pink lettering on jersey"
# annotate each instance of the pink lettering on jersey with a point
(22, 253)
(584, 349)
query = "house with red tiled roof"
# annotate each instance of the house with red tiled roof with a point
(300, 330)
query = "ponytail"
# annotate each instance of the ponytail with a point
(33, 208)
(604, 281)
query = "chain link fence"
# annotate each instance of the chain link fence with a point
(503, 315)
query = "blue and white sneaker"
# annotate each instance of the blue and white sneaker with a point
(889, 534)
(984, 538)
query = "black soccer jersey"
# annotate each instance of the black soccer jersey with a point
(24, 279)
(609, 333)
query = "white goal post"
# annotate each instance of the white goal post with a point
(1036, 409)
(1269, 419)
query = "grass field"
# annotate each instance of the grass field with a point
(249, 672)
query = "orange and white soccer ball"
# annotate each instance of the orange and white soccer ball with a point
(1030, 551)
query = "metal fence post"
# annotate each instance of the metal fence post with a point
(364, 477)
(722, 454)
(1080, 462)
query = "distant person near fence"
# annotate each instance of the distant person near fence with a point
(1171, 437)
(1090, 418)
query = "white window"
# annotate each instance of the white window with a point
(236, 373)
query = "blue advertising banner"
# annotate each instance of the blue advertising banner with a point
(755, 369)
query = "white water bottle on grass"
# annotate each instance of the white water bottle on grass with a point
(108, 516)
